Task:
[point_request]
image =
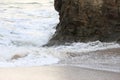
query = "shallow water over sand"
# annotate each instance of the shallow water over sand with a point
(27, 25)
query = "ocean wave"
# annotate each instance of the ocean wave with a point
(26, 26)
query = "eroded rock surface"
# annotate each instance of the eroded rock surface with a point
(87, 20)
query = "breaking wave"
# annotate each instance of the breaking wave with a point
(26, 26)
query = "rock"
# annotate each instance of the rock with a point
(87, 20)
(17, 56)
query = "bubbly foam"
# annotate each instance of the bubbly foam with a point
(27, 25)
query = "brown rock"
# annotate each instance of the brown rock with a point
(17, 56)
(87, 20)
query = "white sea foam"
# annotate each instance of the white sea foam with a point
(26, 25)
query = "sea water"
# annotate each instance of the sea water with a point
(26, 25)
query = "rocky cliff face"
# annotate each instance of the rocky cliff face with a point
(87, 20)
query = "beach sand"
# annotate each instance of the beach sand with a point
(56, 73)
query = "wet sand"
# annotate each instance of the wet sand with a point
(106, 59)
(56, 73)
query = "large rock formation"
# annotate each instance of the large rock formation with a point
(87, 20)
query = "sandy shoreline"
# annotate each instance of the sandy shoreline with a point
(56, 73)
